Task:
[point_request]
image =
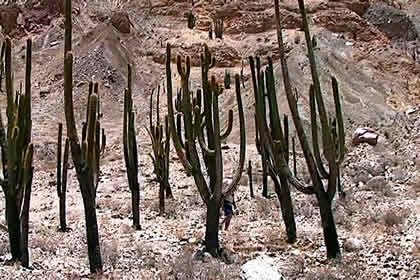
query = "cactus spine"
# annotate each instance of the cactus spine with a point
(332, 138)
(130, 151)
(17, 157)
(62, 177)
(212, 193)
(84, 155)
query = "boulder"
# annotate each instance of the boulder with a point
(261, 268)
(353, 244)
(121, 22)
(376, 183)
(365, 135)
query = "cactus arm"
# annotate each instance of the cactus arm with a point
(69, 27)
(339, 119)
(294, 157)
(328, 145)
(132, 143)
(167, 149)
(293, 105)
(179, 129)
(3, 146)
(65, 167)
(125, 128)
(91, 130)
(103, 141)
(59, 145)
(11, 107)
(97, 148)
(314, 130)
(228, 130)
(69, 113)
(242, 148)
(217, 190)
(202, 143)
(157, 106)
(275, 123)
(151, 109)
(178, 147)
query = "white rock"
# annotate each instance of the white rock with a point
(262, 268)
(353, 244)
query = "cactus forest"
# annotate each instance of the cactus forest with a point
(209, 139)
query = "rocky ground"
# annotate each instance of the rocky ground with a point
(372, 48)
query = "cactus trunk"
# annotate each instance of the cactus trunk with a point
(212, 228)
(329, 228)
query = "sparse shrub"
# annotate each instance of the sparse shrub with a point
(395, 217)
(111, 252)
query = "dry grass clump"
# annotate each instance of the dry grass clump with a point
(395, 217)
(185, 267)
(110, 252)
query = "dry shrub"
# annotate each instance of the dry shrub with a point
(110, 252)
(185, 267)
(53, 6)
(416, 186)
(47, 243)
(263, 208)
(4, 246)
(395, 217)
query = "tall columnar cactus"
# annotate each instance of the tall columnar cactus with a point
(332, 138)
(273, 139)
(17, 157)
(62, 177)
(84, 155)
(130, 151)
(212, 193)
(160, 157)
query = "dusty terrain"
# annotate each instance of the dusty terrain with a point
(377, 222)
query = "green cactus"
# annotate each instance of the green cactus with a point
(160, 157)
(17, 156)
(212, 193)
(332, 138)
(130, 151)
(62, 177)
(84, 155)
